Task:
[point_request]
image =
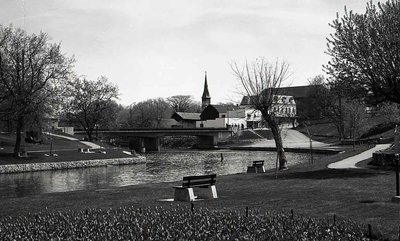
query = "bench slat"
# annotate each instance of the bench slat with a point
(254, 162)
(199, 181)
(258, 163)
(200, 177)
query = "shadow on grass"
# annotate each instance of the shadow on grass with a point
(331, 174)
(7, 154)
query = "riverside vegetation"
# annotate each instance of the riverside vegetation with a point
(176, 223)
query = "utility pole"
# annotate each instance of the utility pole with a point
(396, 198)
(311, 147)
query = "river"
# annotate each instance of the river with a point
(160, 167)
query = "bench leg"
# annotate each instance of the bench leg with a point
(207, 192)
(260, 169)
(184, 194)
(251, 169)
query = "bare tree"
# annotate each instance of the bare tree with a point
(327, 100)
(90, 102)
(183, 103)
(31, 70)
(261, 81)
(388, 112)
(355, 118)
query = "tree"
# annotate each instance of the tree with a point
(327, 99)
(365, 51)
(148, 113)
(90, 102)
(355, 119)
(261, 81)
(183, 103)
(388, 113)
(31, 72)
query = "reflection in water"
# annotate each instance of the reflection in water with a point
(160, 167)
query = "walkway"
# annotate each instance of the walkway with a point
(90, 144)
(61, 136)
(352, 161)
(291, 139)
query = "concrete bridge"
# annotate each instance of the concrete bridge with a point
(150, 138)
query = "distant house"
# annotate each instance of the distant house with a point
(220, 116)
(185, 119)
(303, 96)
(283, 107)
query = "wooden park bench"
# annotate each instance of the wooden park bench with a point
(257, 167)
(84, 150)
(204, 186)
(33, 140)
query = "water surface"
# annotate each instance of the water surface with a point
(160, 167)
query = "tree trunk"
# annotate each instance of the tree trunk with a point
(89, 133)
(341, 124)
(279, 143)
(19, 129)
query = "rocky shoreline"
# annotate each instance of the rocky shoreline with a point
(32, 167)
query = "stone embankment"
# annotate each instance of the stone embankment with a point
(31, 167)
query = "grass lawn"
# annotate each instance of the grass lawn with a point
(362, 195)
(67, 150)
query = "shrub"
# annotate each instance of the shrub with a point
(175, 223)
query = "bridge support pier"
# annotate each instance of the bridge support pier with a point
(152, 143)
(142, 146)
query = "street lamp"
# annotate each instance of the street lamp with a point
(51, 140)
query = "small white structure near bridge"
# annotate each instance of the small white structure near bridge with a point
(217, 116)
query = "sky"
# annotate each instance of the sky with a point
(162, 48)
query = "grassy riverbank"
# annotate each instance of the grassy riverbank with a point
(65, 150)
(311, 190)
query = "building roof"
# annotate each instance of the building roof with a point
(178, 116)
(213, 112)
(247, 100)
(277, 99)
(295, 91)
(220, 108)
(206, 94)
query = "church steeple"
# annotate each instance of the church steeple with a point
(205, 99)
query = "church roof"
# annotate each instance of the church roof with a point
(220, 108)
(206, 94)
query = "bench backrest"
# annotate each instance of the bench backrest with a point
(258, 163)
(198, 181)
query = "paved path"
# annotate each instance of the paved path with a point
(65, 137)
(292, 139)
(352, 161)
(90, 144)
